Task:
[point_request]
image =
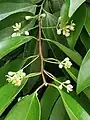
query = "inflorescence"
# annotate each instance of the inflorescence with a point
(17, 30)
(66, 63)
(66, 29)
(16, 78)
(67, 85)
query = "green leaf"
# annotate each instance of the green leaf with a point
(55, 5)
(47, 102)
(83, 80)
(47, 6)
(87, 92)
(81, 12)
(75, 56)
(9, 44)
(49, 31)
(29, 26)
(70, 104)
(58, 111)
(7, 9)
(7, 94)
(64, 13)
(74, 5)
(26, 109)
(85, 39)
(21, 1)
(73, 72)
(87, 22)
(48, 23)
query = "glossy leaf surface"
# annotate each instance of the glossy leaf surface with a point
(74, 5)
(27, 108)
(83, 80)
(70, 104)
(9, 93)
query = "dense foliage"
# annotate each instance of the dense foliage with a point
(44, 59)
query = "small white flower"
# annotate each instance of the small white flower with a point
(66, 32)
(60, 65)
(72, 28)
(61, 87)
(19, 99)
(67, 82)
(11, 73)
(16, 77)
(28, 17)
(43, 15)
(67, 26)
(9, 80)
(17, 26)
(59, 19)
(59, 31)
(69, 88)
(21, 73)
(16, 34)
(14, 80)
(67, 64)
(18, 82)
(26, 33)
(66, 59)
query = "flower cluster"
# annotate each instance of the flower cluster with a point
(65, 63)
(67, 85)
(17, 30)
(15, 77)
(66, 29)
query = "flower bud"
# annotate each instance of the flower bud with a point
(43, 15)
(72, 28)
(11, 73)
(69, 88)
(28, 17)
(67, 34)
(59, 31)
(17, 82)
(67, 82)
(59, 19)
(66, 59)
(61, 87)
(16, 34)
(60, 66)
(26, 33)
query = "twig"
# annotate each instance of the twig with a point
(40, 46)
(30, 62)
